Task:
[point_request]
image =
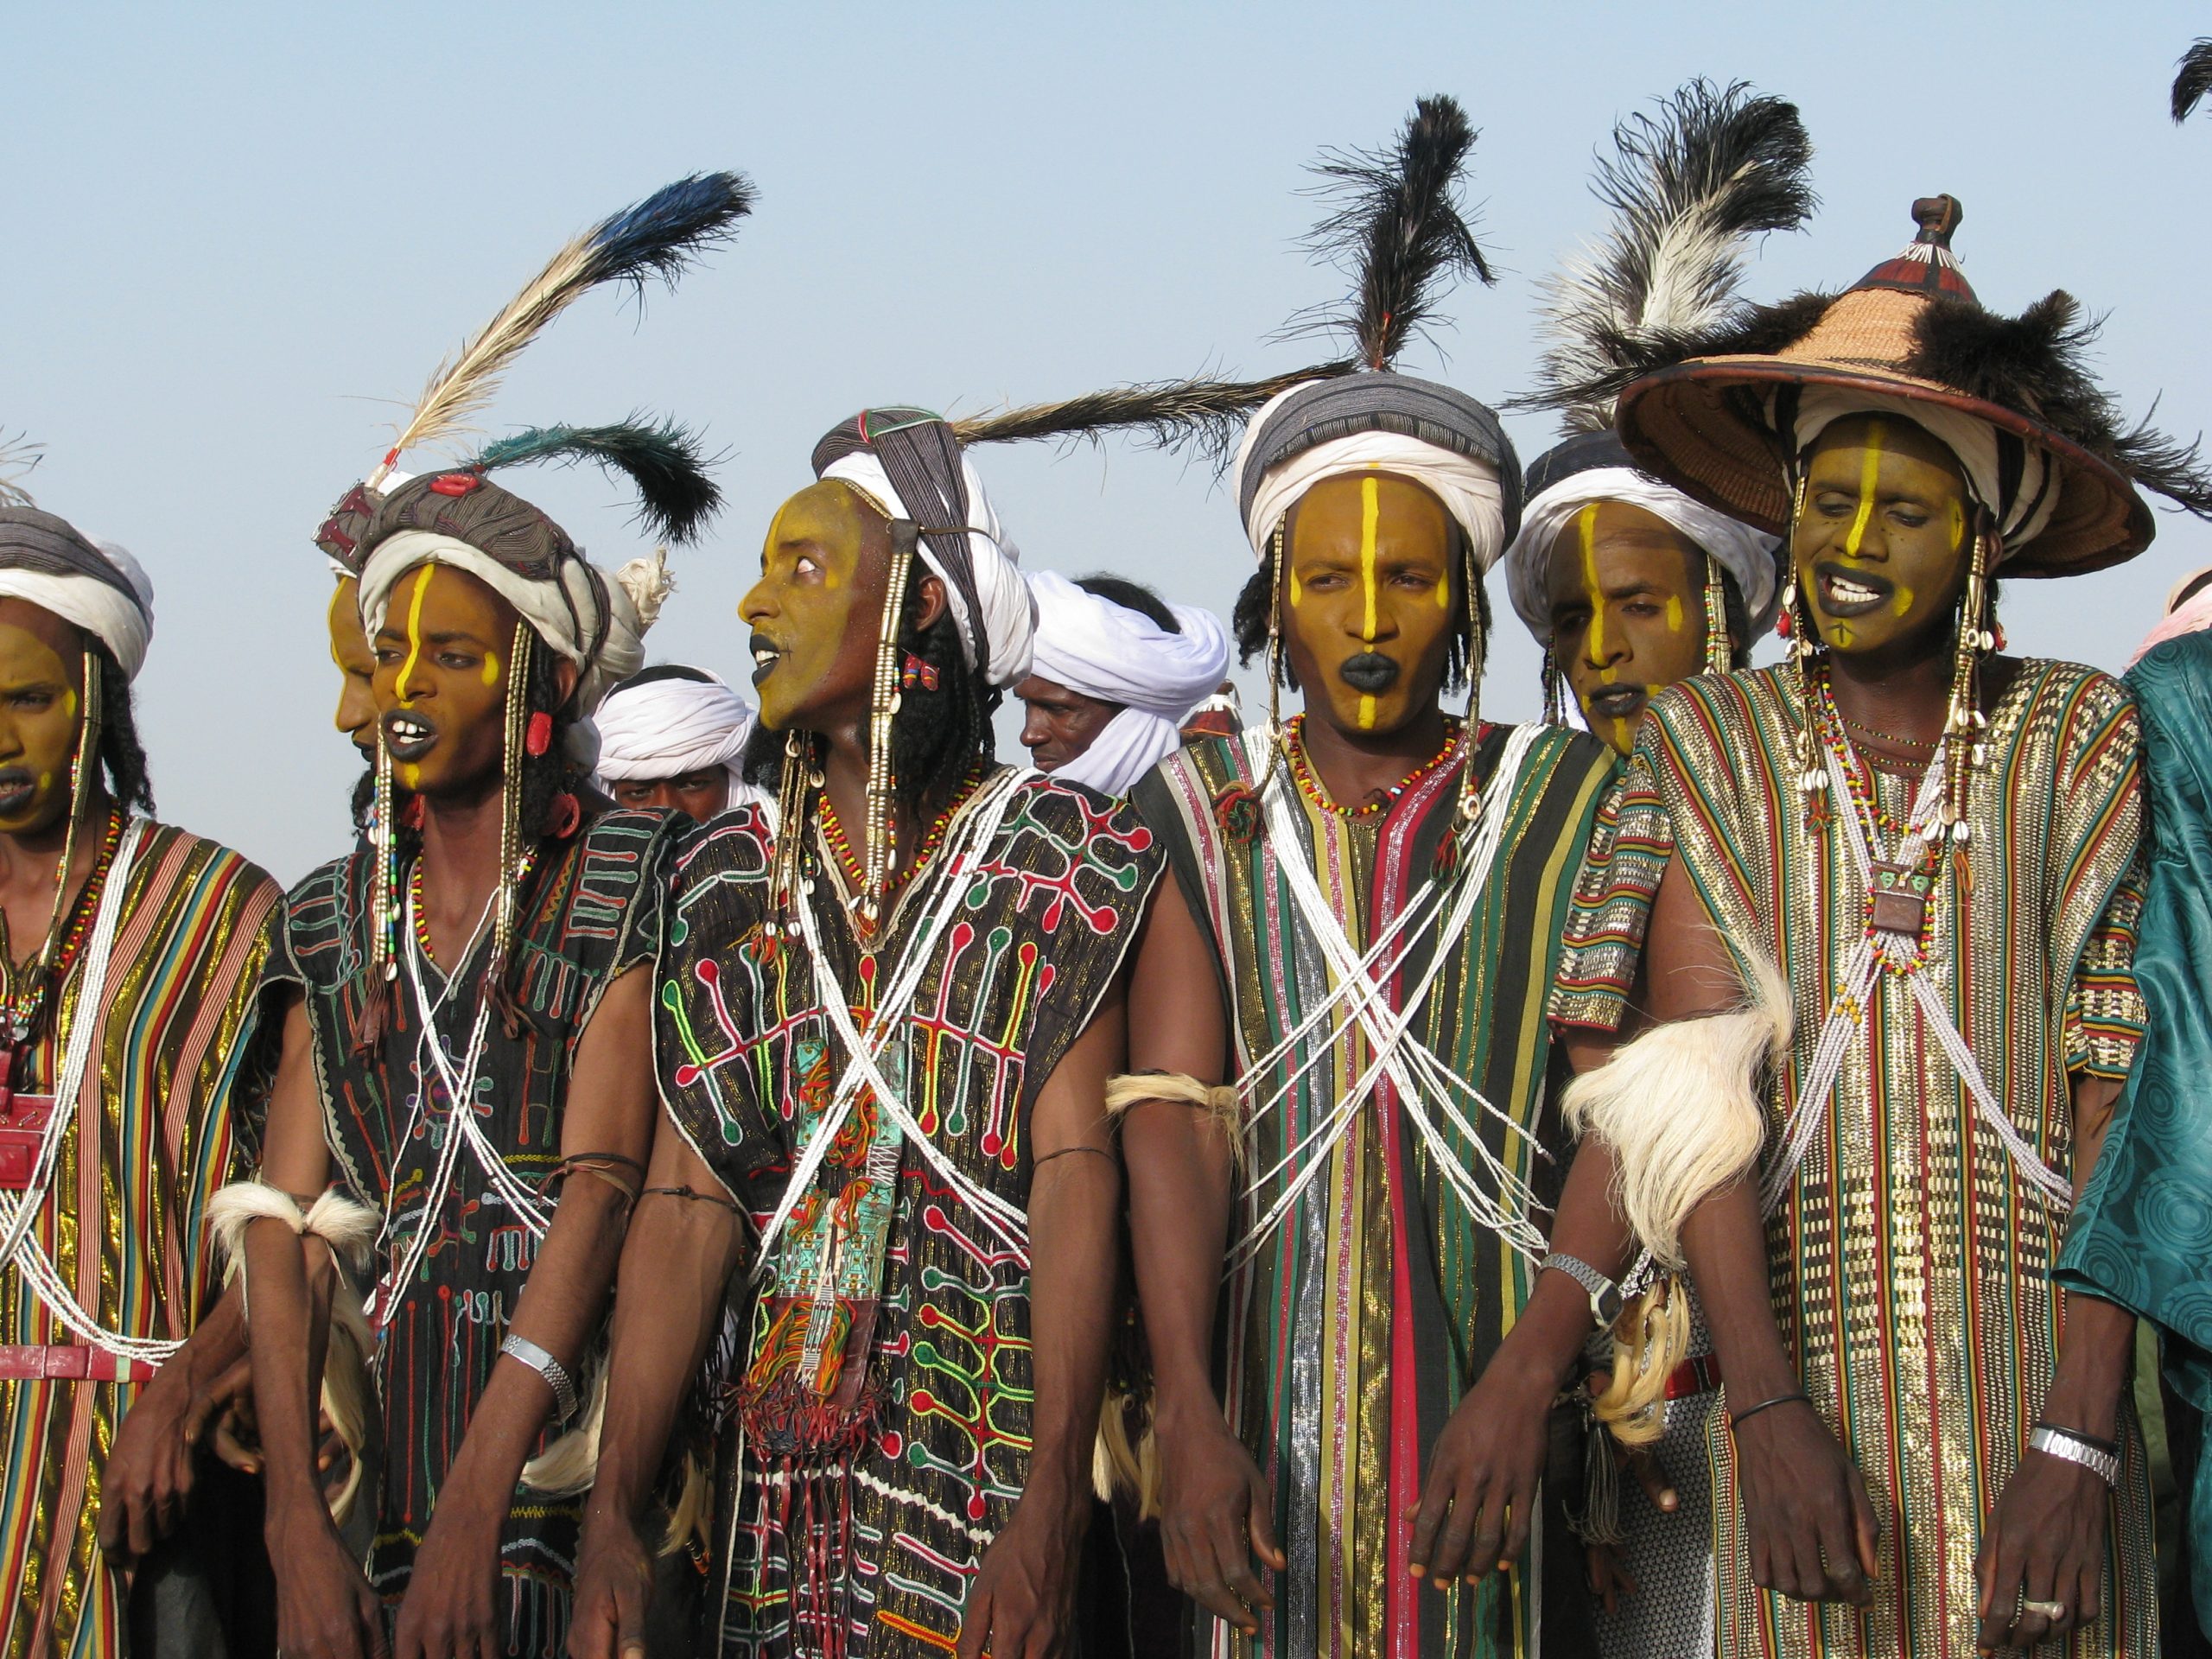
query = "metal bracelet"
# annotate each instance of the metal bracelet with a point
(2072, 1448)
(556, 1374)
(1605, 1295)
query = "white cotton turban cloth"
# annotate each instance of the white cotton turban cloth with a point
(564, 612)
(1009, 618)
(1744, 553)
(95, 586)
(1106, 651)
(667, 727)
(1480, 490)
(1971, 439)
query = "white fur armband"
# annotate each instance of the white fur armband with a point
(1681, 1108)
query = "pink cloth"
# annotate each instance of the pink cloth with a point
(2191, 617)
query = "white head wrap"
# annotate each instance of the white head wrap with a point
(123, 622)
(665, 729)
(1744, 553)
(564, 612)
(1973, 440)
(1106, 651)
(1009, 615)
(1469, 488)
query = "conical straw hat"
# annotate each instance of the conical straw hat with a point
(1703, 424)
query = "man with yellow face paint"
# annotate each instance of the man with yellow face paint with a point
(1336, 1117)
(885, 1033)
(1921, 857)
(127, 1018)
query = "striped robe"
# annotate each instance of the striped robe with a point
(1910, 1264)
(124, 1227)
(1361, 1322)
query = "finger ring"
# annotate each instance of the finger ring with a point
(2051, 1610)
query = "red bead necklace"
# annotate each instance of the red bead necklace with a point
(833, 832)
(26, 999)
(1310, 786)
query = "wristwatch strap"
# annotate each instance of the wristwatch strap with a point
(1605, 1294)
(556, 1374)
(2072, 1448)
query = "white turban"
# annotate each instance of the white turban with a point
(564, 612)
(1469, 488)
(1744, 553)
(1971, 439)
(667, 727)
(1106, 651)
(1009, 616)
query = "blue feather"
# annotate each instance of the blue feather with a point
(661, 235)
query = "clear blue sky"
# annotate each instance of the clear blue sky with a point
(238, 238)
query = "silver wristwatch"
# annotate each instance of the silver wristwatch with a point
(1605, 1294)
(555, 1373)
(2072, 1448)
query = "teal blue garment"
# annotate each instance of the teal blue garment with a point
(2142, 1234)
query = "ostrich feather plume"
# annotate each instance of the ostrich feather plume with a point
(658, 237)
(676, 495)
(2192, 79)
(1688, 188)
(1199, 414)
(19, 459)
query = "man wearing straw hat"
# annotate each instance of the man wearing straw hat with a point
(1884, 897)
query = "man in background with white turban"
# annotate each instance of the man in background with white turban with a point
(133, 952)
(1337, 1109)
(674, 737)
(1117, 671)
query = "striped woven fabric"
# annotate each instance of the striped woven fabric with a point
(1361, 1322)
(161, 1124)
(1910, 1262)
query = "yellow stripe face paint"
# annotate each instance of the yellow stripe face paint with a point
(1370, 519)
(1585, 527)
(491, 670)
(1870, 477)
(414, 629)
(1673, 613)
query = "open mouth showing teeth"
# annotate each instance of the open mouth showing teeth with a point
(1848, 596)
(765, 656)
(406, 736)
(1615, 701)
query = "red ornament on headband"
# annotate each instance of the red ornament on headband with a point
(539, 738)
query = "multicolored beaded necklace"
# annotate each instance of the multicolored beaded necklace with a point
(27, 987)
(1310, 784)
(833, 833)
(1898, 893)
(422, 911)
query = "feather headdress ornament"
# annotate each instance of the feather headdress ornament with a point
(662, 460)
(659, 237)
(2192, 79)
(19, 459)
(1687, 188)
(1394, 225)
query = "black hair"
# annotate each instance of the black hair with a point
(363, 801)
(545, 777)
(1131, 596)
(660, 671)
(1256, 603)
(121, 755)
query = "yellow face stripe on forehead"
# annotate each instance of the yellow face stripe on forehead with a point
(414, 628)
(1870, 479)
(1585, 530)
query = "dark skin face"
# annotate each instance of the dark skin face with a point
(1880, 547)
(1058, 725)
(442, 681)
(698, 795)
(41, 669)
(1626, 592)
(357, 666)
(1369, 602)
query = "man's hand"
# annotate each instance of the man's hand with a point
(324, 1609)
(1021, 1605)
(614, 1585)
(1814, 1535)
(1473, 1513)
(1215, 1511)
(2046, 1542)
(448, 1610)
(149, 1477)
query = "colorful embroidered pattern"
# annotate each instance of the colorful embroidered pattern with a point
(871, 1552)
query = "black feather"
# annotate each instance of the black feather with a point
(1199, 414)
(1685, 189)
(1397, 229)
(2192, 80)
(675, 496)
(1755, 331)
(2036, 363)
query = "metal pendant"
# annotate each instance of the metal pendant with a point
(1897, 897)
